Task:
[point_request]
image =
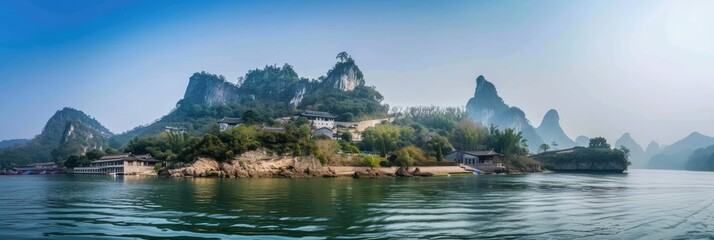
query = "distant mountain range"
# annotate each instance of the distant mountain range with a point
(488, 108)
(675, 156)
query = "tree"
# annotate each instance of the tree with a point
(94, 154)
(251, 117)
(111, 151)
(468, 135)
(544, 147)
(343, 56)
(372, 161)
(406, 157)
(346, 136)
(599, 142)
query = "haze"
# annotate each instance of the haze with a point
(608, 67)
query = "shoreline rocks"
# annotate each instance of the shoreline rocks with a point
(252, 165)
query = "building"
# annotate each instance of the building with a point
(476, 157)
(126, 164)
(229, 123)
(175, 129)
(323, 132)
(319, 119)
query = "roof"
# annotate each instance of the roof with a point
(127, 156)
(481, 153)
(274, 129)
(322, 129)
(228, 120)
(43, 164)
(308, 113)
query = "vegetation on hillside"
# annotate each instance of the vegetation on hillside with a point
(54, 134)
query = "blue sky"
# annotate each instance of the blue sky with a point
(607, 66)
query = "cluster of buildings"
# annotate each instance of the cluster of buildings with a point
(323, 124)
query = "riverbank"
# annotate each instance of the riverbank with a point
(257, 164)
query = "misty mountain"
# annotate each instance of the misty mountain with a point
(582, 141)
(488, 108)
(701, 160)
(637, 154)
(551, 131)
(675, 156)
(68, 126)
(12, 142)
(652, 149)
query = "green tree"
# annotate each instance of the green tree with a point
(372, 161)
(544, 147)
(468, 136)
(111, 151)
(346, 136)
(406, 157)
(94, 154)
(251, 117)
(343, 56)
(599, 142)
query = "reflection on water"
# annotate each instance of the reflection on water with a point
(641, 204)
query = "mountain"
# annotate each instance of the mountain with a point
(701, 160)
(652, 149)
(582, 141)
(12, 142)
(675, 156)
(637, 154)
(550, 131)
(271, 92)
(69, 127)
(488, 108)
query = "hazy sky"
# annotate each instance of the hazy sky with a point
(608, 67)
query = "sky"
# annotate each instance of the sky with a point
(608, 67)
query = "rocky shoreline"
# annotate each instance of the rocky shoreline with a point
(262, 165)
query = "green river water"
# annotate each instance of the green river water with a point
(641, 204)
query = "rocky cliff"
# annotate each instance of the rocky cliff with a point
(488, 108)
(345, 76)
(637, 154)
(253, 164)
(551, 131)
(77, 139)
(210, 89)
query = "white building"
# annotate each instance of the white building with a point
(319, 119)
(476, 158)
(126, 164)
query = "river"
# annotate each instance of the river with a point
(649, 204)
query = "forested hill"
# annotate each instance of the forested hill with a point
(76, 131)
(271, 92)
